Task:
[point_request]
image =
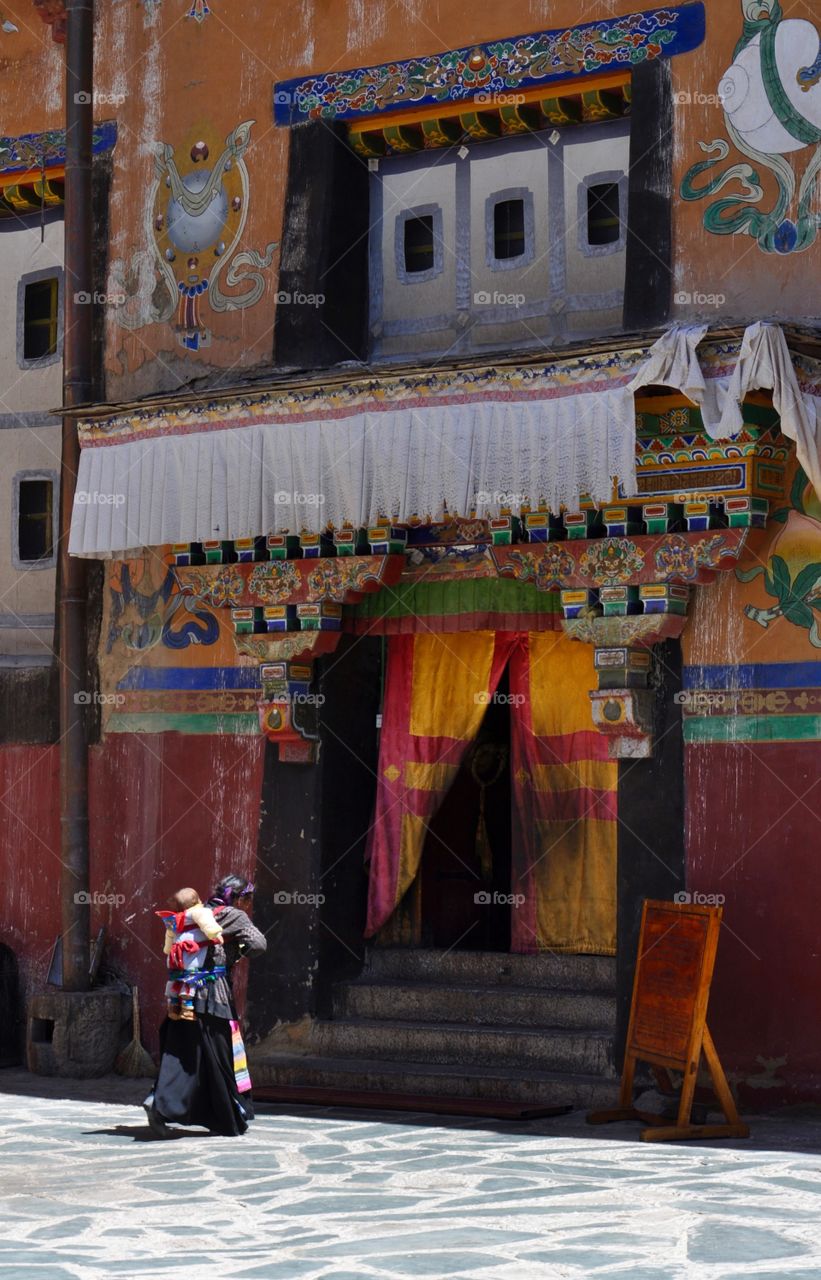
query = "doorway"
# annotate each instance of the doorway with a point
(465, 876)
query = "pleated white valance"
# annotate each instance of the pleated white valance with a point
(489, 439)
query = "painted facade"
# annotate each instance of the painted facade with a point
(239, 674)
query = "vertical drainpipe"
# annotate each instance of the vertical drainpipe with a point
(77, 389)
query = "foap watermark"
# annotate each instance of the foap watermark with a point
(306, 699)
(703, 699)
(293, 498)
(684, 298)
(684, 899)
(85, 698)
(98, 299)
(482, 298)
(484, 699)
(484, 898)
(500, 99)
(287, 898)
(86, 899)
(684, 98)
(297, 299)
(99, 98)
(93, 498)
(500, 498)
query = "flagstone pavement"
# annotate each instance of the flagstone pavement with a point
(87, 1193)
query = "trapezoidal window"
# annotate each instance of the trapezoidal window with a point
(419, 246)
(603, 217)
(509, 229)
(35, 520)
(40, 319)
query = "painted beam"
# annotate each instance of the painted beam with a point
(519, 62)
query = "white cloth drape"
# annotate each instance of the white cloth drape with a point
(417, 460)
(270, 477)
(763, 362)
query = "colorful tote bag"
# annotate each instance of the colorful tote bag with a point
(241, 1075)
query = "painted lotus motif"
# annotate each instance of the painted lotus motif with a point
(792, 577)
(611, 561)
(274, 583)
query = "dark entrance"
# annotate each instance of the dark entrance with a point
(466, 861)
(11, 1022)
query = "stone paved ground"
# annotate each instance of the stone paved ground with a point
(85, 1192)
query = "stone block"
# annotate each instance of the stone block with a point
(75, 1034)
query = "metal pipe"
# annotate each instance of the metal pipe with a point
(78, 387)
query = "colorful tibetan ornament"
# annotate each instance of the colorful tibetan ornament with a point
(199, 207)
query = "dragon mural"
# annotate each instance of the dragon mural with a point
(145, 613)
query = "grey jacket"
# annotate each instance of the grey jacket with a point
(241, 938)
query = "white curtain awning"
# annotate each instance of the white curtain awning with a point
(417, 445)
(422, 458)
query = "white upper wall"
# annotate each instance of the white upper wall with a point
(38, 386)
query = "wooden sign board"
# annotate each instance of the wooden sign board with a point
(668, 1029)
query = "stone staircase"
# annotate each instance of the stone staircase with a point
(464, 1024)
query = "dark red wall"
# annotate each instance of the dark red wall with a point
(166, 810)
(29, 865)
(754, 835)
(190, 808)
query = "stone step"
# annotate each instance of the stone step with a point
(445, 1080)
(543, 1049)
(399, 1000)
(492, 968)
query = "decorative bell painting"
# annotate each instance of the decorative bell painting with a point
(196, 216)
(771, 97)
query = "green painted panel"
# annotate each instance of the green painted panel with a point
(182, 722)
(445, 599)
(752, 729)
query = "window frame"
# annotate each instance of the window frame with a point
(525, 194)
(20, 477)
(34, 277)
(406, 215)
(462, 322)
(614, 177)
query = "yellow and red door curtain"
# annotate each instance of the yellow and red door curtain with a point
(564, 802)
(564, 786)
(436, 692)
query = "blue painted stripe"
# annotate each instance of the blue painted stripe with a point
(18, 150)
(764, 675)
(191, 678)
(613, 44)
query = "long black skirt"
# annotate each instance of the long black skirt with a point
(196, 1082)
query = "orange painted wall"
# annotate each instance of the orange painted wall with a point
(179, 79)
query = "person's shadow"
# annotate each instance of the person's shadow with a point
(142, 1133)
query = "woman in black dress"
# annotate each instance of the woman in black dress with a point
(196, 1083)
